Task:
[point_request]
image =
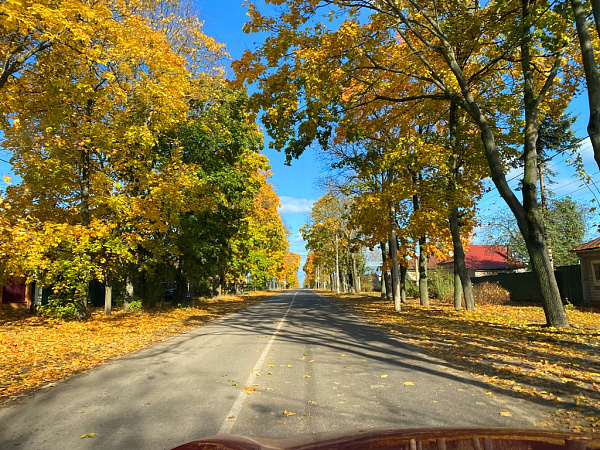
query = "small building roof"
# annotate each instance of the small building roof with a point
(591, 245)
(432, 262)
(488, 257)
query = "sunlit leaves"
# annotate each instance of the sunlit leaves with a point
(37, 350)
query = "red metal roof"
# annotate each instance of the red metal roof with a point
(592, 245)
(488, 257)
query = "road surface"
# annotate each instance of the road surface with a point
(291, 365)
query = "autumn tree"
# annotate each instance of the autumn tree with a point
(588, 58)
(84, 123)
(331, 235)
(317, 270)
(404, 52)
(289, 271)
(261, 244)
(222, 141)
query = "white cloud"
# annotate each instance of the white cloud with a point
(291, 205)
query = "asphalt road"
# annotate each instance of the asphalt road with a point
(291, 365)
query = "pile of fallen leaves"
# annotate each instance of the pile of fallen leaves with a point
(508, 347)
(36, 350)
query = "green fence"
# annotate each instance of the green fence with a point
(523, 286)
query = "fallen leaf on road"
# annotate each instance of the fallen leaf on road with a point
(271, 365)
(306, 376)
(384, 376)
(88, 435)
(306, 354)
(249, 390)
(505, 414)
(289, 365)
(488, 393)
(312, 402)
(288, 413)
(408, 383)
(269, 373)
(311, 361)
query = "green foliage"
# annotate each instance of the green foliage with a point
(136, 304)
(565, 223)
(60, 307)
(490, 294)
(441, 285)
(412, 289)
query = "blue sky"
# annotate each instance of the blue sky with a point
(296, 185)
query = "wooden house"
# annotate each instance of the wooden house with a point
(485, 260)
(589, 258)
(16, 293)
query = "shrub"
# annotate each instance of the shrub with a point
(59, 307)
(490, 294)
(441, 285)
(135, 305)
(412, 290)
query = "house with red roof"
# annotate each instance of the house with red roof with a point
(413, 266)
(589, 260)
(484, 260)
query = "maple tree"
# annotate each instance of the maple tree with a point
(261, 244)
(332, 238)
(389, 53)
(289, 271)
(588, 59)
(136, 159)
(317, 272)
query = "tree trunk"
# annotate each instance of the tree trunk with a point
(337, 266)
(355, 276)
(128, 294)
(533, 230)
(394, 256)
(385, 278)
(596, 14)
(107, 296)
(460, 267)
(544, 205)
(403, 270)
(592, 77)
(423, 289)
(457, 289)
